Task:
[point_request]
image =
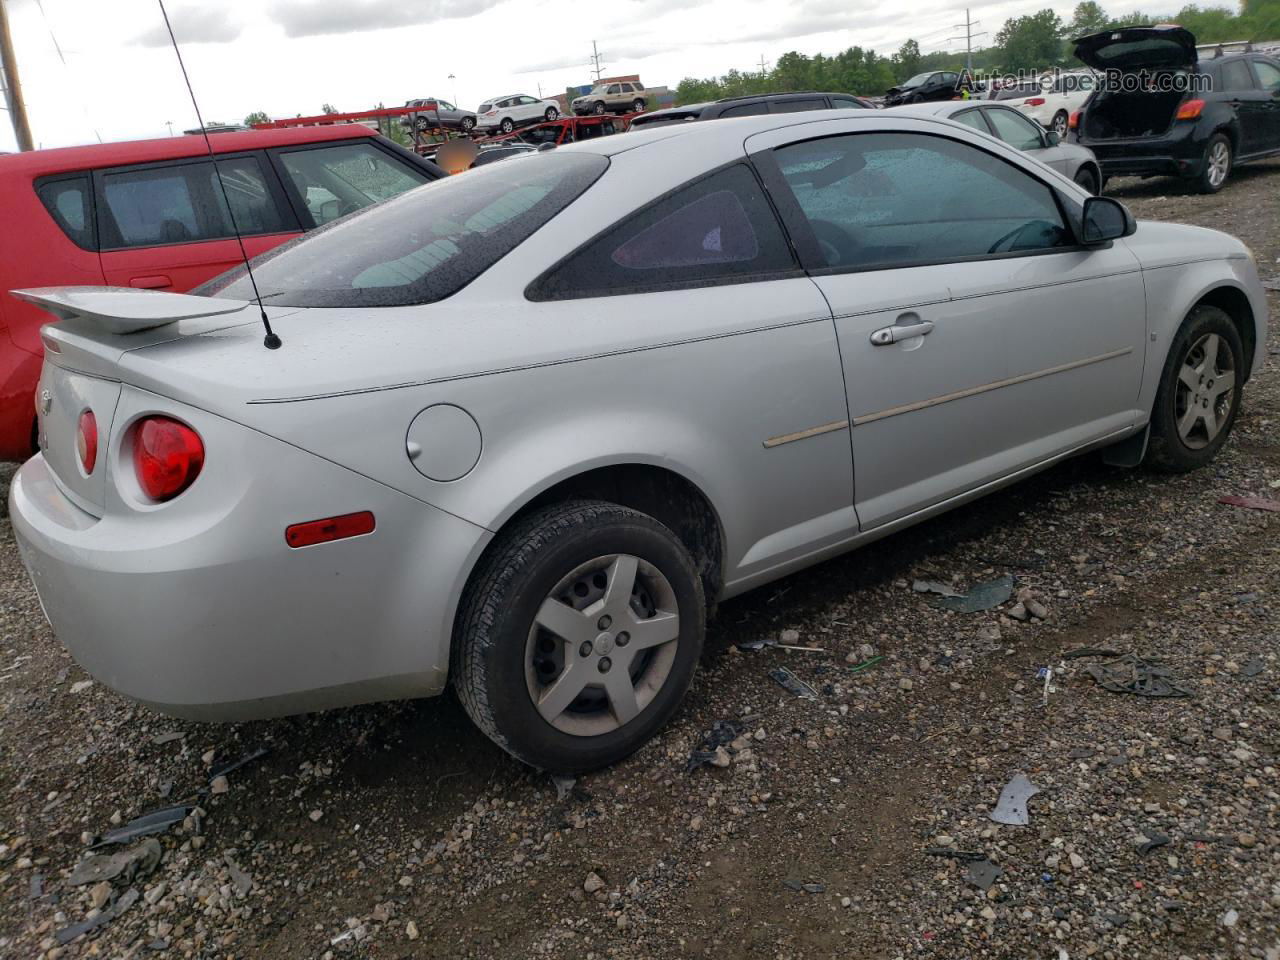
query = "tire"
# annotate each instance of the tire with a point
(637, 105)
(915, 98)
(598, 108)
(1059, 124)
(1216, 165)
(468, 124)
(505, 663)
(420, 124)
(1188, 385)
(551, 114)
(507, 125)
(1086, 178)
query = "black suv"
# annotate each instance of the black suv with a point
(924, 87)
(751, 106)
(1161, 110)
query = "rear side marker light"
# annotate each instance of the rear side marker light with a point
(87, 441)
(1073, 122)
(1034, 102)
(167, 456)
(1190, 110)
(332, 528)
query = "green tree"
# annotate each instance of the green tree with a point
(258, 116)
(1032, 42)
(906, 62)
(328, 108)
(1088, 18)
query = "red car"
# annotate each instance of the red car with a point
(150, 214)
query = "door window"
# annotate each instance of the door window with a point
(184, 203)
(1235, 75)
(903, 199)
(69, 204)
(337, 180)
(1268, 76)
(1015, 129)
(719, 229)
(972, 118)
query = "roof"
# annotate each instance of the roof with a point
(67, 159)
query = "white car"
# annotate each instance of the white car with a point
(515, 110)
(1060, 96)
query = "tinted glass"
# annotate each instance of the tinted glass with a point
(1268, 76)
(719, 229)
(1015, 129)
(795, 106)
(334, 181)
(421, 246)
(746, 109)
(1235, 75)
(185, 204)
(882, 199)
(68, 203)
(842, 103)
(918, 79)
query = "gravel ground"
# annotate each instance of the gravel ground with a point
(843, 825)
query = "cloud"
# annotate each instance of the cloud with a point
(192, 25)
(308, 18)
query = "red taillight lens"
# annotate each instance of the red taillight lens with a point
(1073, 122)
(167, 456)
(1190, 110)
(333, 528)
(87, 441)
(1034, 102)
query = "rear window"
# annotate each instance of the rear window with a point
(421, 246)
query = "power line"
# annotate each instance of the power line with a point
(598, 70)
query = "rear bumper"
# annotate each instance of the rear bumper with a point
(19, 374)
(1178, 153)
(199, 609)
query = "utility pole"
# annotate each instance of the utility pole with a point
(967, 27)
(595, 59)
(454, 81)
(13, 86)
(764, 65)
(169, 124)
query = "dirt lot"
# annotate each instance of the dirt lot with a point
(398, 831)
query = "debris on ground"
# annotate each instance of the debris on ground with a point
(1012, 806)
(1253, 667)
(223, 769)
(127, 900)
(1132, 674)
(802, 887)
(866, 664)
(793, 684)
(1151, 840)
(1079, 652)
(239, 879)
(982, 596)
(711, 749)
(136, 862)
(564, 786)
(157, 821)
(951, 853)
(982, 873)
(1252, 503)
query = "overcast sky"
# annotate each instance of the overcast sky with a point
(104, 68)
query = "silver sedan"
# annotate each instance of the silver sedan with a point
(1020, 132)
(527, 425)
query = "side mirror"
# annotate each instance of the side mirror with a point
(1051, 138)
(1104, 220)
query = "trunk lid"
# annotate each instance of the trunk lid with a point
(1162, 47)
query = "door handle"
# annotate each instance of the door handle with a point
(899, 332)
(157, 282)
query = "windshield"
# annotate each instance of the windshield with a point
(918, 79)
(421, 246)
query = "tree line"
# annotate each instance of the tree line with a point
(1036, 41)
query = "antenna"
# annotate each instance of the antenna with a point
(271, 341)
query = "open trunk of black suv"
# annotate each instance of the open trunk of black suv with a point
(1120, 115)
(1147, 70)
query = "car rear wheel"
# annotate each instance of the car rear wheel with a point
(598, 108)
(468, 124)
(579, 635)
(1199, 392)
(1059, 124)
(507, 125)
(1217, 163)
(551, 114)
(1087, 179)
(637, 105)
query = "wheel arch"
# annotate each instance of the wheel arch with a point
(1234, 302)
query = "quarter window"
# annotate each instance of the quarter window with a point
(901, 199)
(68, 203)
(334, 181)
(719, 229)
(1268, 76)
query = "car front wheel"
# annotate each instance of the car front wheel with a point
(1216, 166)
(1199, 393)
(507, 125)
(598, 108)
(468, 124)
(1088, 179)
(551, 114)
(578, 635)
(637, 105)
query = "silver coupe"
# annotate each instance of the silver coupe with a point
(529, 424)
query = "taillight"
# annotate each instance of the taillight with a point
(167, 456)
(1034, 102)
(87, 441)
(1190, 110)
(1073, 122)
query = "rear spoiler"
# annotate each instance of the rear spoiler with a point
(125, 309)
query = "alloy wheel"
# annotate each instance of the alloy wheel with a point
(1219, 163)
(602, 645)
(1206, 391)
(1060, 125)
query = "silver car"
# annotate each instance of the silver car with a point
(529, 424)
(1020, 132)
(442, 114)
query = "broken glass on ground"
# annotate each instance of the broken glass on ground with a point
(1012, 806)
(981, 596)
(137, 861)
(127, 900)
(157, 821)
(983, 873)
(722, 733)
(1132, 674)
(793, 684)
